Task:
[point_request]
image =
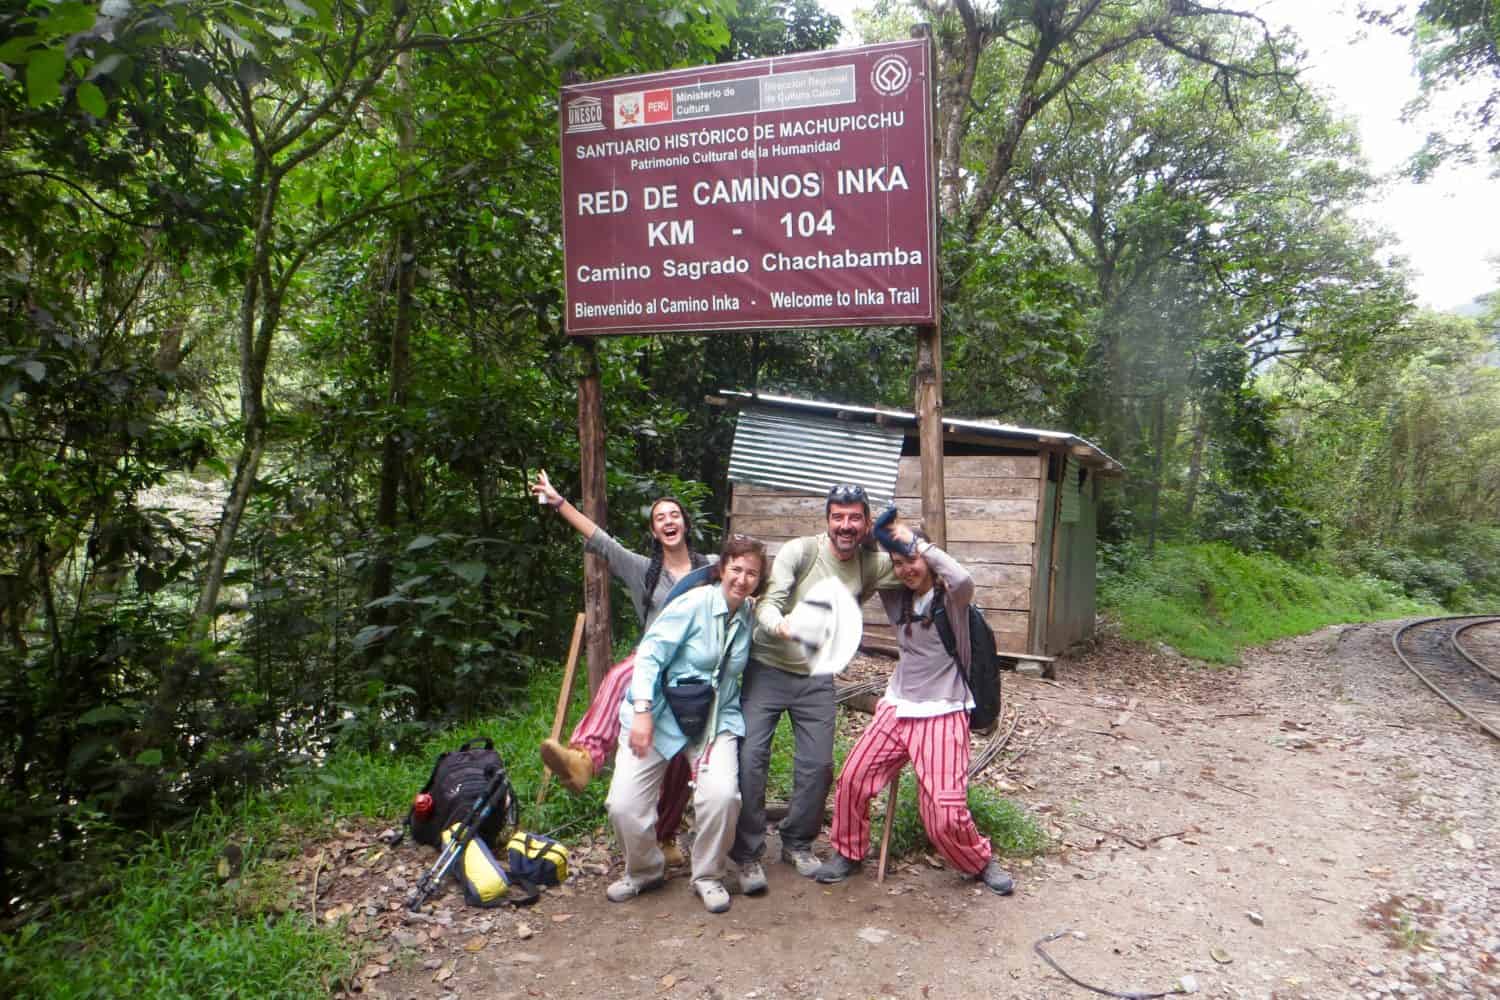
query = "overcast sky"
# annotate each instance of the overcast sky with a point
(1447, 228)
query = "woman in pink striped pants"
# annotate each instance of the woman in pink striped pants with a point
(923, 718)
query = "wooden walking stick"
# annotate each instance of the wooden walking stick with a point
(889, 824)
(564, 696)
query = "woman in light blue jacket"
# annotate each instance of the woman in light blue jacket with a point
(700, 637)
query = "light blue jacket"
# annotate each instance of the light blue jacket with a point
(685, 642)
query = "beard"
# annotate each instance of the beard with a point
(844, 542)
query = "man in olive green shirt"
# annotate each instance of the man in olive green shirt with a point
(777, 681)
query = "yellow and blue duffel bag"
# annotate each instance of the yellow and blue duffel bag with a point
(485, 881)
(536, 858)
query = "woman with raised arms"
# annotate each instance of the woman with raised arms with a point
(648, 580)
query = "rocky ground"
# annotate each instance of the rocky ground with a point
(1311, 824)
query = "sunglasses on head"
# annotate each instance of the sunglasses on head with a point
(847, 493)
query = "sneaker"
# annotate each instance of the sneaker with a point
(672, 853)
(573, 767)
(836, 869)
(715, 897)
(753, 878)
(997, 878)
(802, 858)
(628, 888)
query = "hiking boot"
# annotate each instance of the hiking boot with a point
(672, 853)
(628, 888)
(573, 767)
(997, 878)
(753, 878)
(836, 869)
(715, 897)
(802, 858)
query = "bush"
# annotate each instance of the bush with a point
(1256, 522)
(1431, 579)
(1210, 600)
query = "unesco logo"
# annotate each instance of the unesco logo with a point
(585, 114)
(891, 75)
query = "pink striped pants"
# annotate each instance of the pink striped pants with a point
(938, 749)
(598, 732)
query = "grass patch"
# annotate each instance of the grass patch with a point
(381, 785)
(171, 927)
(1209, 601)
(1012, 830)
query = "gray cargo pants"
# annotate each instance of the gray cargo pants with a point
(767, 692)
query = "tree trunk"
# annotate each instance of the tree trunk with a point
(398, 368)
(1158, 419)
(1195, 462)
(257, 323)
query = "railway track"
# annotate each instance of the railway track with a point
(1434, 650)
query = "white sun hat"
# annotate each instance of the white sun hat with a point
(828, 625)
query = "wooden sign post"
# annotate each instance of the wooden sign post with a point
(928, 401)
(591, 438)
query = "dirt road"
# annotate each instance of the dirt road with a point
(1311, 824)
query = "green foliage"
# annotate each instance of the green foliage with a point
(163, 923)
(379, 785)
(1208, 601)
(166, 924)
(1458, 568)
(1404, 458)
(759, 28)
(1455, 48)
(1018, 329)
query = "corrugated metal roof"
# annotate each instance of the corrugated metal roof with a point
(811, 454)
(1088, 452)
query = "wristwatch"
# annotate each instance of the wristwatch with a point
(641, 705)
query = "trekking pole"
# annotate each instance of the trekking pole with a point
(458, 842)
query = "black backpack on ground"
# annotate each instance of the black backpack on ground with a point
(458, 778)
(983, 679)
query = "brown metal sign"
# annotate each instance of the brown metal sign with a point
(785, 192)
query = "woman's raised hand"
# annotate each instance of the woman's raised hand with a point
(543, 489)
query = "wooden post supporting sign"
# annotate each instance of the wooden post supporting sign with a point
(591, 437)
(928, 402)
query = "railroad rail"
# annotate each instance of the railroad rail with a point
(1432, 649)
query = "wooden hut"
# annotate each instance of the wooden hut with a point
(1021, 503)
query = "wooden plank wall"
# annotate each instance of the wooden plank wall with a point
(992, 528)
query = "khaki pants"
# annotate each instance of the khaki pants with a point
(716, 808)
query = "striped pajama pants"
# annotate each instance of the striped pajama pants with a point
(938, 748)
(598, 733)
